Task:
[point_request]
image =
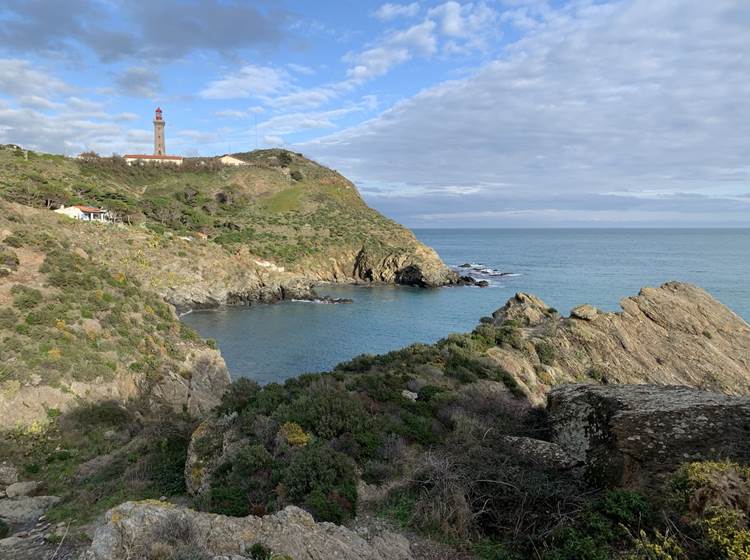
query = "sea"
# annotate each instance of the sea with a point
(564, 267)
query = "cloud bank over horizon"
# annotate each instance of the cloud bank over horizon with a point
(505, 113)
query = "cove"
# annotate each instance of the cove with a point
(564, 267)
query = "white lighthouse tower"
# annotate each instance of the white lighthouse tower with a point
(159, 149)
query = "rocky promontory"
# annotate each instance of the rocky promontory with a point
(674, 334)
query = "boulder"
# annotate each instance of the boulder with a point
(636, 435)
(26, 509)
(585, 312)
(20, 489)
(8, 474)
(137, 527)
(525, 309)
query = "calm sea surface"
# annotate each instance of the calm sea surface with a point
(563, 267)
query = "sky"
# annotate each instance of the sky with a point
(489, 113)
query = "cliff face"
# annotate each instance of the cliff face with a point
(676, 334)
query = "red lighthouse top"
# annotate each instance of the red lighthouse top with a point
(157, 115)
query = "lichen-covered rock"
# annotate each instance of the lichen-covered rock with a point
(135, 527)
(635, 435)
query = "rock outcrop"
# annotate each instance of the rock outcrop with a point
(196, 387)
(135, 529)
(635, 435)
(676, 334)
(418, 267)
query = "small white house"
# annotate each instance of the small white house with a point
(84, 213)
(231, 160)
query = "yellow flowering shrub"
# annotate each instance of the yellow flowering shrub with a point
(294, 435)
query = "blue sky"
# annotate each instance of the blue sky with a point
(504, 113)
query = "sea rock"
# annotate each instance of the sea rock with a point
(635, 435)
(419, 267)
(135, 527)
(25, 509)
(19, 489)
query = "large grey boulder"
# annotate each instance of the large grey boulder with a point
(635, 435)
(26, 509)
(135, 528)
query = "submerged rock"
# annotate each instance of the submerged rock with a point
(135, 529)
(635, 435)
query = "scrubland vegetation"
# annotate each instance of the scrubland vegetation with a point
(281, 206)
(448, 463)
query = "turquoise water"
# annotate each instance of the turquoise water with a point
(563, 267)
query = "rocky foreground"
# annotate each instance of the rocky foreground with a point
(629, 436)
(593, 436)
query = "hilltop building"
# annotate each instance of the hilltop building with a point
(160, 153)
(84, 213)
(231, 160)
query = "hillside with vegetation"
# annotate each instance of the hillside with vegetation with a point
(441, 443)
(281, 208)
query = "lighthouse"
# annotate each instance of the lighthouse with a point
(159, 149)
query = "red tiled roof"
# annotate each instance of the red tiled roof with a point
(89, 209)
(144, 156)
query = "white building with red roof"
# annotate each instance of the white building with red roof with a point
(84, 213)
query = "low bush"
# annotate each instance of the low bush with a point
(8, 259)
(324, 481)
(25, 298)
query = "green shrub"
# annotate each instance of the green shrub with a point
(323, 481)
(25, 297)
(328, 410)
(8, 318)
(546, 352)
(8, 259)
(296, 175)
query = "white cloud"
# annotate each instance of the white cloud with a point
(271, 140)
(390, 11)
(239, 114)
(599, 98)
(300, 69)
(37, 102)
(18, 79)
(248, 81)
(394, 49)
